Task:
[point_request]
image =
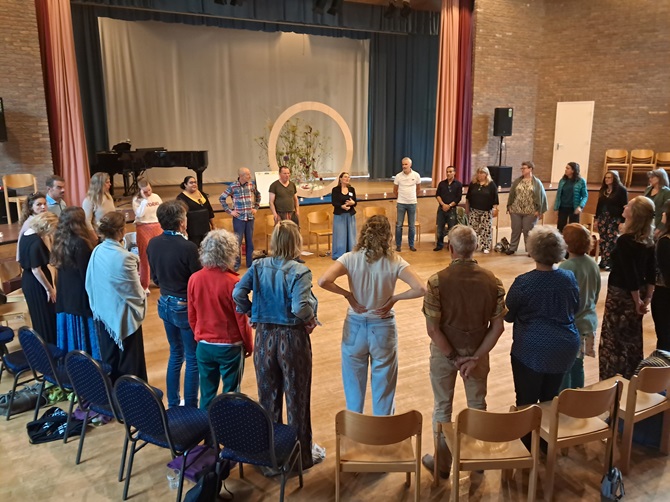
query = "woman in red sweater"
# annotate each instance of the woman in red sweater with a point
(224, 336)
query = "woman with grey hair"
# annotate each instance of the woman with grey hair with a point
(659, 193)
(542, 305)
(223, 335)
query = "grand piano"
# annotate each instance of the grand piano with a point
(132, 163)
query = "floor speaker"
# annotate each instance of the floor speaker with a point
(502, 175)
(502, 121)
(3, 126)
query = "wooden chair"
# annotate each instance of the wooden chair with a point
(373, 210)
(486, 440)
(572, 418)
(17, 181)
(616, 160)
(16, 306)
(269, 227)
(588, 220)
(365, 443)
(641, 399)
(663, 160)
(640, 161)
(318, 224)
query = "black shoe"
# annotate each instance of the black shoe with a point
(300, 260)
(509, 252)
(438, 248)
(602, 265)
(397, 248)
(412, 248)
(428, 461)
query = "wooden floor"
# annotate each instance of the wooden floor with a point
(47, 472)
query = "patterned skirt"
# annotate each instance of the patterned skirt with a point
(77, 333)
(621, 347)
(608, 227)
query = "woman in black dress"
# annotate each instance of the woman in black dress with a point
(200, 215)
(73, 244)
(36, 280)
(481, 204)
(612, 198)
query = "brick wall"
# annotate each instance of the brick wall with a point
(507, 47)
(22, 89)
(532, 54)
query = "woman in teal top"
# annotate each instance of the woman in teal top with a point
(659, 193)
(571, 196)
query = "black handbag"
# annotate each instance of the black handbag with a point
(51, 426)
(24, 399)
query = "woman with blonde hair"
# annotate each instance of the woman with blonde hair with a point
(283, 312)
(145, 204)
(370, 335)
(224, 335)
(72, 248)
(481, 205)
(630, 288)
(36, 279)
(98, 201)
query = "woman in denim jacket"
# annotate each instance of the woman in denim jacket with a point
(283, 312)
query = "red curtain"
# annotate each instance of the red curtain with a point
(453, 122)
(61, 84)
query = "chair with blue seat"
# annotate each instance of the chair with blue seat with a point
(178, 429)
(14, 362)
(93, 387)
(248, 435)
(46, 361)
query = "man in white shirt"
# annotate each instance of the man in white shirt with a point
(406, 188)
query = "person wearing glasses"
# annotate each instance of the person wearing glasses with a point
(527, 202)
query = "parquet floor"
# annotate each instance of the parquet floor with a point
(47, 472)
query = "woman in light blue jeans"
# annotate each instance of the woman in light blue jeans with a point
(369, 335)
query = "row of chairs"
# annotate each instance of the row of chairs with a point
(638, 161)
(235, 421)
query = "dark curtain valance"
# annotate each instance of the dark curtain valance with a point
(352, 16)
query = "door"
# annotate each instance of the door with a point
(572, 137)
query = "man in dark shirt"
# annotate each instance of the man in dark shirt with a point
(449, 193)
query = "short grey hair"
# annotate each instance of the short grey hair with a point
(219, 249)
(546, 245)
(463, 239)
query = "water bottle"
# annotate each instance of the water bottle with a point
(173, 478)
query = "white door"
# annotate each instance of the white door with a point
(572, 137)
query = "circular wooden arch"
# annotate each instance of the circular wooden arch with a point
(306, 106)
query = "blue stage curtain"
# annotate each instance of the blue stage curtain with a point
(403, 90)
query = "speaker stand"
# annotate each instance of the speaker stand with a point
(500, 150)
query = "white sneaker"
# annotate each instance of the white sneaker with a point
(318, 453)
(486, 251)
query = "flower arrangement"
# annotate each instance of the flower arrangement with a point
(302, 149)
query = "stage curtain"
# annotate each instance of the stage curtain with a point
(66, 128)
(403, 87)
(462, 156)
(195, 88)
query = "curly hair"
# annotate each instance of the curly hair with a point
(96, 188)
(546, 245)
(27, 208)
(44, 223)
(286, 241)
(376, 239)
(219, 249)
(71, 228)
(111, 224)
(578, 239)
(641, 221)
